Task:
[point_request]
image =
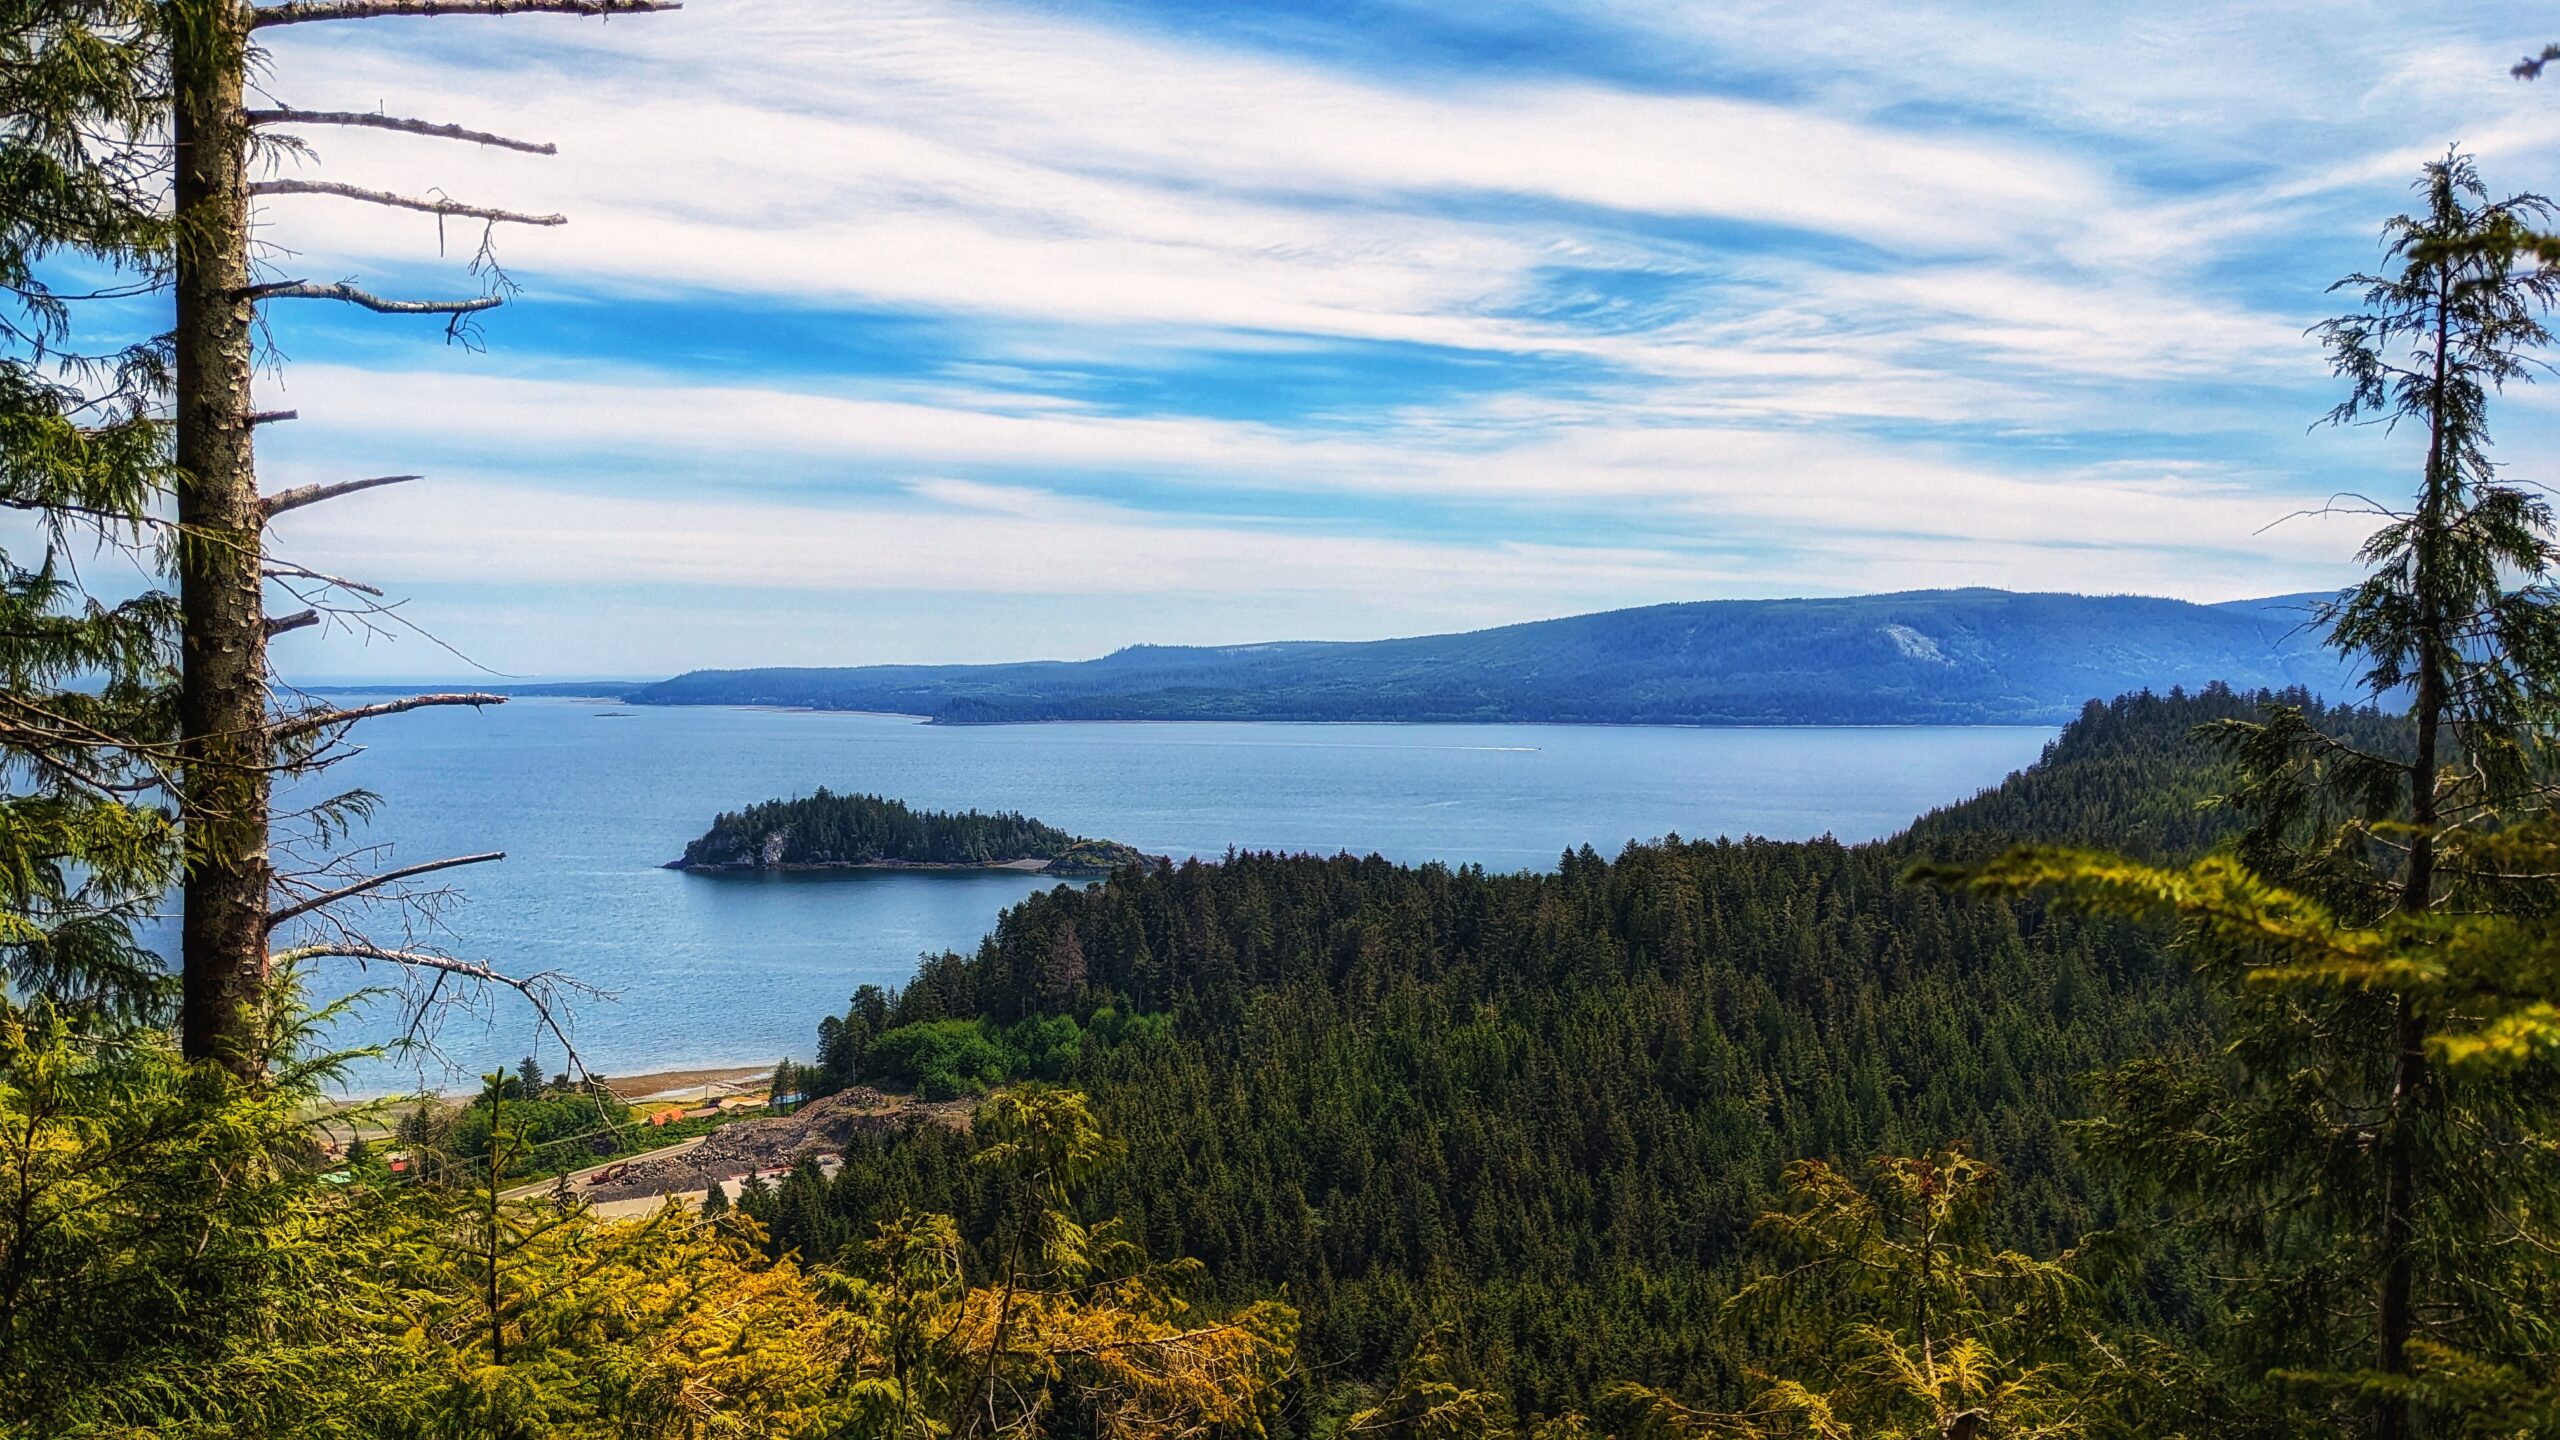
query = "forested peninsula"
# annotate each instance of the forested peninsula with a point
(827, 831)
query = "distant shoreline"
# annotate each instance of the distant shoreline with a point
(669, 1084)
(1189, 722)
(676, 1084)
(1401, 721)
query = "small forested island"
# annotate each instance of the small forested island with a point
(827, 831)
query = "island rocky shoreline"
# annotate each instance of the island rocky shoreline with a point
(828, 831)
(1028, 865)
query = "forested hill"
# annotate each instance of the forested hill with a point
(2132, 775)
(1539, 1111)
(831, 831)
(1926, 657)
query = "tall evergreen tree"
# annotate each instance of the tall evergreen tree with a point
(2381, 1204)
(2441, 612)
(1895, 1315)
(85, 685)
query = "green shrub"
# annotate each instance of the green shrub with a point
(942, 1059)
(566, 1132)
(1048, 1044)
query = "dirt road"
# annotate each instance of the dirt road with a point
(578, 1179)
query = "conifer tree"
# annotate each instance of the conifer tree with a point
(2458, 609)
(1896, 1316)
(1430, 1402)
(150, 1214)
(2379, 1203)
(1077, 1333)
(140, 1205)
(85, 685)
(132, 165)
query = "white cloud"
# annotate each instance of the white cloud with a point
(1026, 543)
(1789, 487)
(700, 582)
(1918, 265)
(1001, 161)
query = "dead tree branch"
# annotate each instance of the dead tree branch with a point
(289, 116)
(301, 725)
(416, 959)
(279, 624)
(305, 290)
(279, 571)
(264, 188)
(301, 495)
(541, 991)
(303, 11)
(373, 882)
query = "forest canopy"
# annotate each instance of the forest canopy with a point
(1400, 1092)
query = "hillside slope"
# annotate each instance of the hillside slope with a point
(1538, 1111)
(1926, 657)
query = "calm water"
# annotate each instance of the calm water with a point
(588, 800)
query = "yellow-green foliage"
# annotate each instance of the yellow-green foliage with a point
(1889, 1315)
(2489, 979)
(144, 1205)
(1430, 1403)
(670, 1326)
(2275, 1156)
(173, 1264)
(1102, 1334)
(1076, 1321)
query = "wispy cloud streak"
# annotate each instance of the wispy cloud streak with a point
(1770, 301)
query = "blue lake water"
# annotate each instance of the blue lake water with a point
(589, 799)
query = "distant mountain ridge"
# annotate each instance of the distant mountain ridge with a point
(1921, 657)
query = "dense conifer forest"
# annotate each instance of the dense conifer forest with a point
(1542, 1110)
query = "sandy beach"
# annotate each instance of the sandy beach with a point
(689, 1084)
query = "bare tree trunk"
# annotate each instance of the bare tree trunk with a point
(222, 689)
(232, 746)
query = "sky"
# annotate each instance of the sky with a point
(933, 330)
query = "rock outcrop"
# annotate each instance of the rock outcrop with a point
(779, 1142)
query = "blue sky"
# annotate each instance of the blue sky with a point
(928, 330)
